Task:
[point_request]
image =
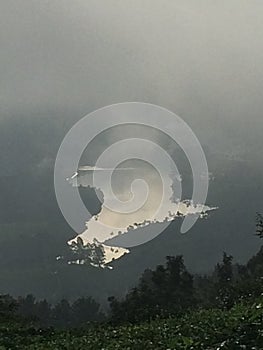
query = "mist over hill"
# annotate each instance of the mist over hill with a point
(60, 61)
(30, 243)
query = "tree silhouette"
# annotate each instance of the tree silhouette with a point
(168, 290)
(62, 313)
(224, 275)
(89, 253)
(259, 225)
(84, 310)
(8, 305)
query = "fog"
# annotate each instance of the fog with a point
(60, 60)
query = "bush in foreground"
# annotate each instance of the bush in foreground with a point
(241, 327)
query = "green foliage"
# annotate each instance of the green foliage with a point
(241, 327)
(168, 290)
(61, 315)
(169, 309)
(7, 307)
(224, 274)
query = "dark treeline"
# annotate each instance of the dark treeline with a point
(169, 290)
(63, 314)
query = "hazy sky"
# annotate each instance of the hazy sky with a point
(201, 59)
(61, 59)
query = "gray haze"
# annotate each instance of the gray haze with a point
(60, 60)
(201, 59)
